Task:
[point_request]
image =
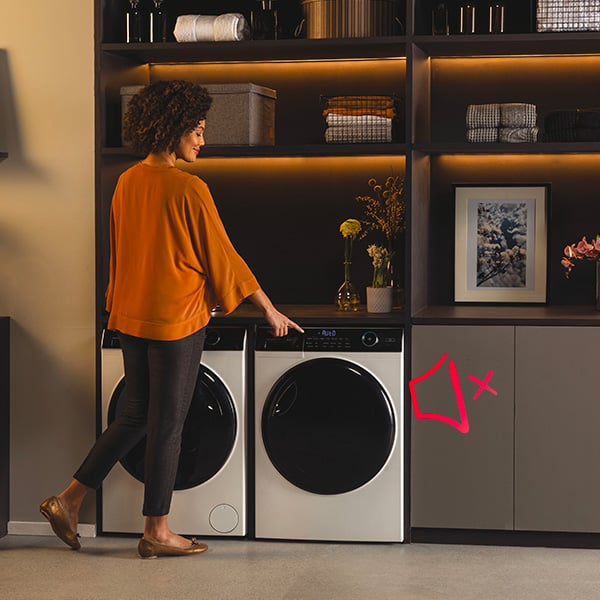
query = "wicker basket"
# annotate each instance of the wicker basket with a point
(362, 119)
(568, 15)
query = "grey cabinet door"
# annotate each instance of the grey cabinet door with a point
(462, 479)
(557, 429)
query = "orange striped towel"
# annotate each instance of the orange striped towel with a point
(390, 113)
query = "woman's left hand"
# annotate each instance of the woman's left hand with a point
(280, 324)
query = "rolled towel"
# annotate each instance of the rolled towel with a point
(518, 114)
(229, 27)
(185, 28)
(483, 116)
(517, 134)
(482, 134)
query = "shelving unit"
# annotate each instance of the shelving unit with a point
(297, 172)
(506, 445)
(314, 184)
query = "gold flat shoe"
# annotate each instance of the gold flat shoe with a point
(53, 510)
(149, 549)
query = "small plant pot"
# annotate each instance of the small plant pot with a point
(380, 299)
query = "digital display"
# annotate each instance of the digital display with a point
(327, 333)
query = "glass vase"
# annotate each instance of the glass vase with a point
(393, 280)
(347, 299)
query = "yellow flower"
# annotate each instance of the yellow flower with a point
(350, 228)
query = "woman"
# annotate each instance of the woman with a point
(171, 261)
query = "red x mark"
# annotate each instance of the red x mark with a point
(483, 385)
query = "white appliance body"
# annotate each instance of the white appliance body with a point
(329, 439)
(216, 506)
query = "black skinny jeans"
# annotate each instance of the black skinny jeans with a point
(160, 381)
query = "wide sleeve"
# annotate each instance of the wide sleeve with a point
(229, 279)
(112, 259)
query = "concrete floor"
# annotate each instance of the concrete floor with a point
(108, 568)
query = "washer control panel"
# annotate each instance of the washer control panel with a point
(217, 338)
(333, 339)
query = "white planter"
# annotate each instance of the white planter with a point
(379, 299)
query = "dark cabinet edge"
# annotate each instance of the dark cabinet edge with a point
(451, 46)
(506, 44)
(287, 151)
(3, 156)
(265, 50)
(508, 148)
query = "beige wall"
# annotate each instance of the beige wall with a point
(47, 241)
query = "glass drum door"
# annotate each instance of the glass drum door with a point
(328, 426)
(208, 434)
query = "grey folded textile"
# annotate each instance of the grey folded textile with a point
(361, 121)
(482, 134)
(483, 116)
(517, 134)
(343, 135)
(518, 114)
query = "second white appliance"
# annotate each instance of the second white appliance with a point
(210, 490)
(329, 440)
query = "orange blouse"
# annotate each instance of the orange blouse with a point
(171, 260)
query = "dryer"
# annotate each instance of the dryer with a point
(329, 435)
(210, 488)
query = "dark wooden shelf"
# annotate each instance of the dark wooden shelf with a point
(507, 148)
(507, 315)
(505, 44)
(314, 314)
(286, 151)
(261, 50)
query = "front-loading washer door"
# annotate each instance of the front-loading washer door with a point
(208, 435)
(328, 426)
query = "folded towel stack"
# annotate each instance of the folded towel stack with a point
(577, 125)
(359, 119)
(511, 122)
(229, 27)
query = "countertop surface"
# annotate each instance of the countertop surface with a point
(313, 314)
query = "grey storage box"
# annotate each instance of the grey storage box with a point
(242, 114)
(127, 92)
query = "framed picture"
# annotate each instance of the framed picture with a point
(500, 247)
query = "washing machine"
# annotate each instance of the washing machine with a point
(329, 435)
(210, 487)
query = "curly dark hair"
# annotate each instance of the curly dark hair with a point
(161, 113)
